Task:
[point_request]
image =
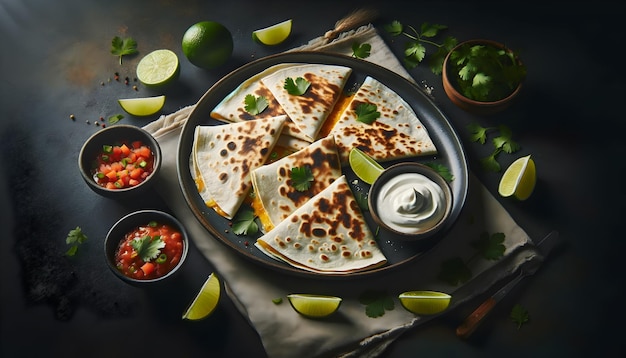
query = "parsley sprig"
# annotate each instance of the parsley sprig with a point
(503, 142)
(415, 50)
(244, 223)
(360, 50)
(123, 46)
(297, 87)
(367, 113)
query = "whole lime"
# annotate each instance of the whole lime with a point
(207, 44)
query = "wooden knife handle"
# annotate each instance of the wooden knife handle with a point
(473, 320)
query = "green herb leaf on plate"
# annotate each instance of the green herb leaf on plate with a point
(443, 170)
(255, 105)
(297, 87)
(367, 113)
(244, 223)
(301, 178)
(148, 247)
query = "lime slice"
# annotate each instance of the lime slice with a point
(142, 106)
(366, 168)
(314, 306)
(158, 68)
(424, 302)
(273, 35)
(205, 302)
(519, 179)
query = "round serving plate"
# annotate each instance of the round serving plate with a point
(398, 252)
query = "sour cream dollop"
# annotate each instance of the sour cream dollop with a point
(410, 203)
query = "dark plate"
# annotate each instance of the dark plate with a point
(398, 252)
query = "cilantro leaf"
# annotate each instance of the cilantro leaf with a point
(148, 247)
(376, 303)
(301, 178)
(454, 271)
(75, 237)
(443, 170)
(361, 50)
(115, 118)
(367, 113)
(415, 51)
(519, 315)
(505, 141)
(431, 30)
(479, 133)
(491, 247)
(361, 200)
(244, 223)
(255, 105)
(123, 46)
(490, 163)
(394, 28)
(297, 88)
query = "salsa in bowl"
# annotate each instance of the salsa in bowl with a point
(120, 161)
(146, 246)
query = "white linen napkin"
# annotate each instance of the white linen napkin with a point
(350, 332)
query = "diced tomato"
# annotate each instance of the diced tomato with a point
(111, 175)
(111, 185)
(136, 144)
(116, 167)
(144, 152)
(119, 164)
(125, 150)
(133, 182)
(136, 173)
(147, 268)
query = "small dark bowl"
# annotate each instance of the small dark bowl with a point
(109, 136)
(129, 223)
(425, 236)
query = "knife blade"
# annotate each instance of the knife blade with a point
(465, 329)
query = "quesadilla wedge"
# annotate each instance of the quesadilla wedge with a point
(224, 155)
(309, 108)
(232, 108)
(275, 190)
(327, 234)
(396, 133)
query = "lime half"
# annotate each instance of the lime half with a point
(206, 301)
(273, 35)
(425, 302)
(145, 106)
(314, 306)
(366, 168)
(158, 68)
(519, 179)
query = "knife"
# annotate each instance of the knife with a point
(475, 318)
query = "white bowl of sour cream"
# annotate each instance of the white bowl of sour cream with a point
(410, 200)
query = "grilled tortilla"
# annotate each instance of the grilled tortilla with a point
(274, 188)
(224, 155)
(328, 234)
(232, 108)
(397, 133)
(310, 109)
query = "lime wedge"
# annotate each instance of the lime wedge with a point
(206, 301)
(314, 306)
(142, 106)
(424, 302)
(519, 179)
(366, 168)
(158, 68)
(273, 35)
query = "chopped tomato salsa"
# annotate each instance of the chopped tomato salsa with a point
(124, 165)
(149, 251)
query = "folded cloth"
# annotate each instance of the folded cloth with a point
(350, 332)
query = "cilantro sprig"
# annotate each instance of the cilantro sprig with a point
(503, 142)
(148, 247)
(75, 237)
(301, 178)
(360, 50)
(297, 87)
(255, 105)
(455, 271)
(415, 50)
(376, 303)
(123, 46)
(244, 223)
(519, 315)
(366, 113)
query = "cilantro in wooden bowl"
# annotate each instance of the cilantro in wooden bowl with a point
(482, 76)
